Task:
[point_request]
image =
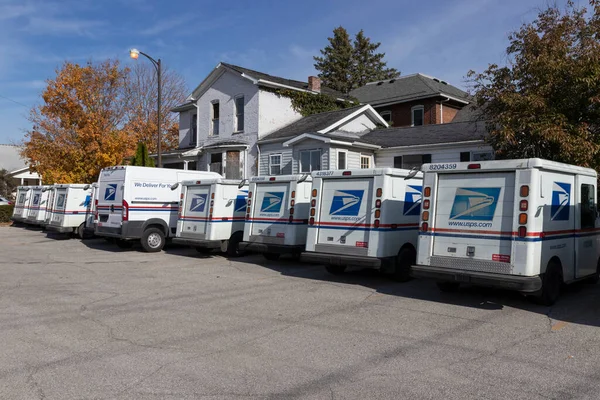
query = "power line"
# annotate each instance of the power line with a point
(14, 101)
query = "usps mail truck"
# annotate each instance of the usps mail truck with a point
(137, 203)
(39, 204)
(22, 204)
(91, 214)
(365, 217)
(277, 215)
(211, 215)
(49, 205)
(70, 204)
(529, 225)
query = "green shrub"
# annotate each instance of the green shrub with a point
(5, 213)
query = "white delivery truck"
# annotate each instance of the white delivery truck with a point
(49, 205)
(211, 215)
(365, 217)
(137, 203)
(22, 204)
(277, 215)
(68, 212)
(528, 225)
(91, 214)
(39, 204)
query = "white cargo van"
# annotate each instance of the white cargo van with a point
(137, 203)
(91, 214)
(211, 215)
(277, 215)
(49, 205)
(70, 204)
(365, 217)
(528, 225)
(39, 203)
(22, 204)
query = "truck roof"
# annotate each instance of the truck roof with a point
(366, 172)
(507, 165)
(281, 178)
(71, 185)
(210, 181)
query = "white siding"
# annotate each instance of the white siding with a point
(275, 148)
(310, 145)
(439, 154)
(185, 132)
(360, 124)
(275, 112)
(352, 157)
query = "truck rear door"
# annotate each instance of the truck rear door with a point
(60, 205)
(110, 203)
(345, 215)
(474, 215)
(270, 209)
(194, 215)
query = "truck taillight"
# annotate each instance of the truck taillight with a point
(377, 213)
(125, 211)
(291, 219)
(524, 191)
(346, 173)
(314, 193)
(426, 204)
(95, 202)
(427, 191)
(474, 166)
(379, 192)
(181, 196)
(292, 211)
(376, 224)
(293, 194)
(378, 203)
(523, 219)
(425, 216)
(523, 205)
(522, 231)
(313, 203)
(212, 195)
(312, 212)
(292, 203)
(311, 221)
(424, 227)
(271, 179)
(249, 195)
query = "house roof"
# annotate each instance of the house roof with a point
(312, 123)
(282, 81)
(406, 88)
(10, 158)
(454, 132)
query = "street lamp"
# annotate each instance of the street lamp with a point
(135, 53)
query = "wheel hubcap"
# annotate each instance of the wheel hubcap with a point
(154, 240)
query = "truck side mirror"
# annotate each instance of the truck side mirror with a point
(413, 172)
(303, 178)
(174, 186)
(242, 183)
(86, 187)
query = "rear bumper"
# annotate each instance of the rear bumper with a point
(340, 259)
(208, 244)
(270, 248)
(60, 229)
(128, 230)
(17, 219)
(33, 222)
(526, 284)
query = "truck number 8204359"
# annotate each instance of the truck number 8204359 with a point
(436, 167)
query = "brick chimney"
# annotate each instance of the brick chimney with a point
(314, 84)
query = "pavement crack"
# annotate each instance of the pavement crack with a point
(34, 385)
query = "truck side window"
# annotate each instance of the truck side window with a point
(588, 207)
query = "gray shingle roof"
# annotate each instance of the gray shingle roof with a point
(311, 124)
(427, 134)
(405, 88)
(283, 81)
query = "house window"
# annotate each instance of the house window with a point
(275, 164)
(398, 162)
(342, 160)
(194, 130)
(415, 160)
(365, 162)
(418, 113)
(216, 162)
(386, 115)
(465, 156)
(239, 114)
(214, 129)
(310, 160)
(482, 156)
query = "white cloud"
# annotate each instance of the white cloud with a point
(164, 25)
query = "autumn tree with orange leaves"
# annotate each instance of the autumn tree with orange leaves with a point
(94, 115)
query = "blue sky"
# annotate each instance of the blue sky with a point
(443, 38)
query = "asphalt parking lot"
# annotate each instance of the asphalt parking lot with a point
(86, 320)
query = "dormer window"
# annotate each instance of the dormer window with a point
(194, 130)
(214, 129)
(386, 115)
(239, 114)
(418, 114)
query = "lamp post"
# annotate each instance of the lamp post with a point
(135, 53)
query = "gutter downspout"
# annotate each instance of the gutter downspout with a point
(258, 159)
(442, 109)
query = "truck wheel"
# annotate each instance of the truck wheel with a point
(594, 279)
(448, 287)
(271, 256)
(404, 260)
(335, 269)
(552, 281)
(233, 245)
(153, 240)
(124, 244)
(81, 231)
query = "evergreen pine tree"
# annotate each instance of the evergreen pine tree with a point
(345, 66)
(142, 158)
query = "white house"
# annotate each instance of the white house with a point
(227, 114)
(10, 160)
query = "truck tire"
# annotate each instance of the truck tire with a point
(271, 256)
(335, 269)
(552, 281)
(233, 245)
(594, 279)
(448, 287)
(81, 231)
(124, 244)
(405, 259)
(153, 240)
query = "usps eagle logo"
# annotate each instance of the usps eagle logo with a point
(412, 200)
(475, 204)
(561, 198)
(346, 202)
(110, 192)
(198, 202)
(271, 202)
